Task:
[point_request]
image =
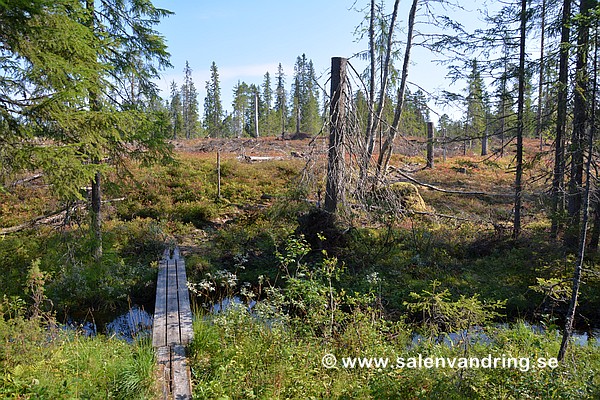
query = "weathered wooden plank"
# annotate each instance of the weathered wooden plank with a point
(185, 311)
(163, 358)
(172, 326)
(173, 334)
(181, 380)
(159, 334)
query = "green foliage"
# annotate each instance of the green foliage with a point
(59, 266)
(415, 114)
(442, 315)
(213, 109)
(197, 214)
(239, 355)
(305, 98)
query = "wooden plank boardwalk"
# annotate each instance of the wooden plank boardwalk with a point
(172, 330)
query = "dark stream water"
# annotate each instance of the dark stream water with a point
(136, 323)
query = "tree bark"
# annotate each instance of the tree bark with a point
(334, 190)
(588, 129)
(256, 134)
(97, 216)
(538, 126)
(430, 139)
(580, 121)
(561, 122)
(485, 137)
(520, 123)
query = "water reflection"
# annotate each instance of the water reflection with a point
(135, 324)
(228, 302)
(477, 335)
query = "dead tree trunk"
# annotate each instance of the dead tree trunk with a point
(334, 190)
(570, 318)
(388, 146)
(375, 121)
(97, 215)
(561, 121)
(256, 134)
(520, 123)
(485, 137)
(370, 135)
(541, 77)
(218, 174)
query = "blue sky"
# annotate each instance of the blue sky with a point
(248, 38)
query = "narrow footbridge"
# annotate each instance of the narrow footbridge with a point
(172, 330)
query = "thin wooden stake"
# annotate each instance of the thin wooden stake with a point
(218, 174)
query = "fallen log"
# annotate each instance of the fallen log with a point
(259, 158)
(46, 218)
(448, 191)
(50, 217)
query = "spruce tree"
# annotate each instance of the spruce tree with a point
(280, 100)
(189, 100)
(267, 115)
(240, 105)
(213, 109)
(125, 32)
(475, 104)
(305, 100)
(311, 122)
(69, 61)
(49, 64)
(175, 111)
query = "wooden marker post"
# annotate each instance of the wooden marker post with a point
(430, 138)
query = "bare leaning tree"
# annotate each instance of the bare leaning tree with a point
(350, 153)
